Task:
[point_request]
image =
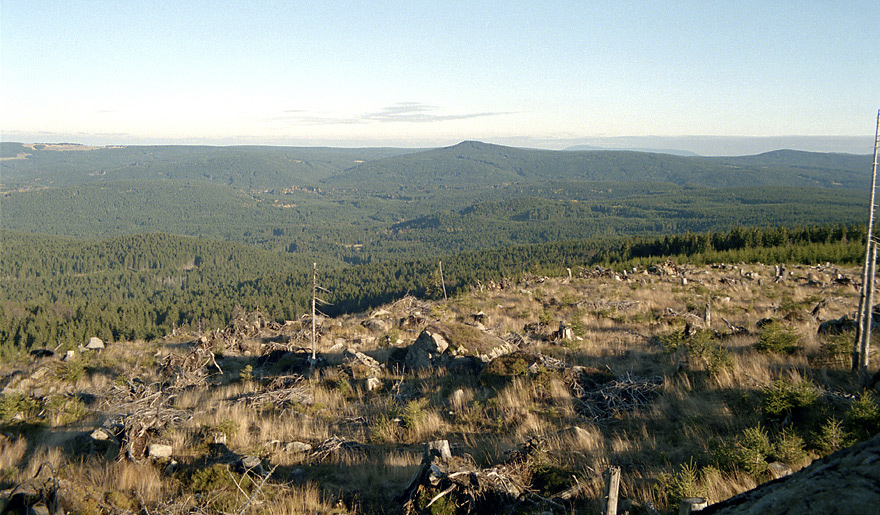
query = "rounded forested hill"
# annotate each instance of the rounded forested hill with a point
(472, 163)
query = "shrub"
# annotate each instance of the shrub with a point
(228, 427)
(384, 430)
(748, 452)
(414, 412)
(445, 505)
(247, 374)
(777, 339)
(832, 436)
(755, 449)
(789, 447)
(506, 367)
(548, 479)
(13, 404)
(73, 371)
(837, 348)
(679, 484)
(782, 396)
(343, 386)
(862, 419)
(65, 410)
(209, 479)
(701, 349)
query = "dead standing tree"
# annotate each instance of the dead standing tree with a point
(861, 347)
(313, 360)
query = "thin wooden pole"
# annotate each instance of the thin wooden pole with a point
(442, 281)
(865, 307)
(314, 295)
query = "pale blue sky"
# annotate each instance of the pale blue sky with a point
(415, 73)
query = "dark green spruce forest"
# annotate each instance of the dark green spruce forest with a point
(133, 242)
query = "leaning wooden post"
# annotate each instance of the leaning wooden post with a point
(612, 485)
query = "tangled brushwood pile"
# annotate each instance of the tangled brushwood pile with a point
(458, 484)
(597, 401)
(692, 382)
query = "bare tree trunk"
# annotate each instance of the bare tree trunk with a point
(865, 308)
(868, 315)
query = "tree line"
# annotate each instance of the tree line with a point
(58, 291)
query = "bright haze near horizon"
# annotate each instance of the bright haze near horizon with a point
(712, 78)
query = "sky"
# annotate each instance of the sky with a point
(705, 76)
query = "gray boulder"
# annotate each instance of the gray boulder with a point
(95, 343)
(426, 351)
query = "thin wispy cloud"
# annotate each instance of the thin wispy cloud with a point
(419, 113)
(409, 112)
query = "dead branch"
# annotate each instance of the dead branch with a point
(256, 491)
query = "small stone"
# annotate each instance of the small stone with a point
(158, 450)
(373, 384)
(217, 437)
(101, 435)
(95, 343)
(297, 447)
(779, 469)
(69, 355)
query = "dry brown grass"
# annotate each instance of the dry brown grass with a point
(619, 325)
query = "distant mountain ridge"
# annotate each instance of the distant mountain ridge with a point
(242, 167)
(473, 163)
(465, 165)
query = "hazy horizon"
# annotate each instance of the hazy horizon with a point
(706, 78)
(700, 145)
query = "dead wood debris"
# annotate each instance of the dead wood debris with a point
(138, 430)
(188, 370)
(281, 393)
(611, 399)
(498, 489)
(332, 449)
(409, 305)
(142, 415)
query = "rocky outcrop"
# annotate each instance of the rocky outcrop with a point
(847, 482)
(426, 351)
